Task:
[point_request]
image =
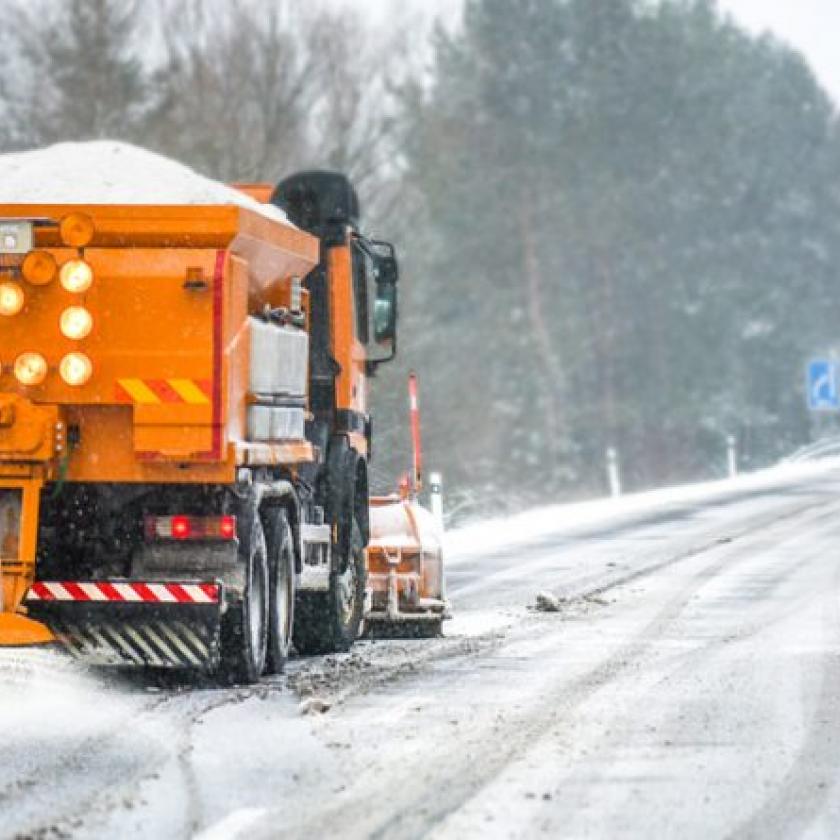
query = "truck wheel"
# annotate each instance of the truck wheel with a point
(348, 593)
(329, 622)
(244, 634)
(281, 593)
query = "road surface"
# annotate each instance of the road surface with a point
(688, 687)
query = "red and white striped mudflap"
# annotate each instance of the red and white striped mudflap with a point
(159, 624)
(126, 592)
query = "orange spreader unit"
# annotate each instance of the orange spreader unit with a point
(405, 569)
(406, 583)
(124, 354)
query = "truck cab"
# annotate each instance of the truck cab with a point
(353, 317)
(353, 299)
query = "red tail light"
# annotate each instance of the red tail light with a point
(182, 527)
(227, 527)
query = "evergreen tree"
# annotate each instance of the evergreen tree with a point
(633, 224)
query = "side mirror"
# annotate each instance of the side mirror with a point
(385, 309)
(385, 313)
(387, 267)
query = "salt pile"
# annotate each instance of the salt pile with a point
(111, 172)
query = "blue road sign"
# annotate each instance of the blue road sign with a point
(823, 386)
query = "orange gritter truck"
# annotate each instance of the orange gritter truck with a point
(184, 429)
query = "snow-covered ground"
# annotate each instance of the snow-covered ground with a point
(532, 526)
(112, 172)
(688, 687)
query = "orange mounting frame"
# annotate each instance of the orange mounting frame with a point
(17, 574)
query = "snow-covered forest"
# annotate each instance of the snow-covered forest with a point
(619, 220)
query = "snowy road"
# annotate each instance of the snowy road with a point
(689, 687)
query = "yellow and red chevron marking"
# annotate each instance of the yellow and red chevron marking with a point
(160, 391)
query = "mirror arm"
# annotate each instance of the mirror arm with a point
(371, 365)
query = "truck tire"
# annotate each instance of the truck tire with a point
(329, 622)
(348, 591)
(244, 636)
(281, 593)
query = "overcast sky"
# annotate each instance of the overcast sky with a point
(812, 26)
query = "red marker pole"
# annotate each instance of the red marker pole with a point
(414, 412)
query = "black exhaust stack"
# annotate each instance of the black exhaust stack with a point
(322, 203)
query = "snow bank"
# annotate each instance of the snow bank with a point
(111, 172)
(533, 525)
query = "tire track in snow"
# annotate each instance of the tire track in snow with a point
(475, 764)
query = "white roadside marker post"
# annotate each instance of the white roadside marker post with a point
(613, 473)
(732, 456)
(436, 497)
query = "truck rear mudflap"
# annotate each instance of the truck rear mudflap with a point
(132, 623)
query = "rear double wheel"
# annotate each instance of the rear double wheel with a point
(329, 622)
(281, 594)
(244, 630)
